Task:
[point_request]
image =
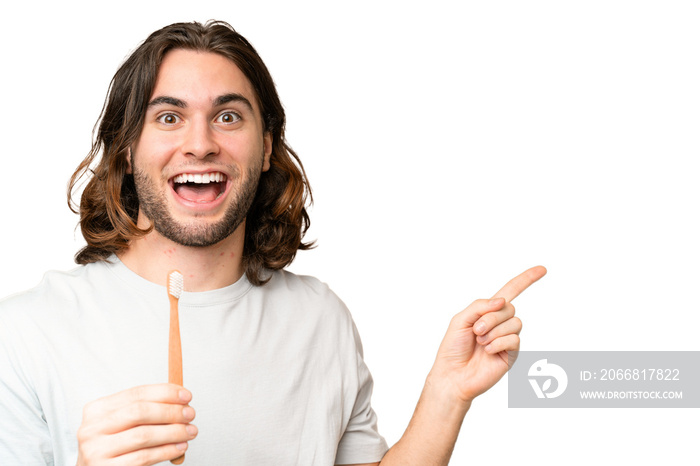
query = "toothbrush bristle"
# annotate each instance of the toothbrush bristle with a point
(175, 283)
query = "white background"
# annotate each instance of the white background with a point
(449, 148)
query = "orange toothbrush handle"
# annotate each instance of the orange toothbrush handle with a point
(175, 354)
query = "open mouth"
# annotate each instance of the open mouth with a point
(199, 187)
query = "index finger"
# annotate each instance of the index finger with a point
(159, 393)
(517, 285)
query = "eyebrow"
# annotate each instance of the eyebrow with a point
(167, 100)
(232, 97)
(221, 100)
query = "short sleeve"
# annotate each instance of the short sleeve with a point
(361, 442)
(24, 433)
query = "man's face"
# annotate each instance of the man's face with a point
(202, 149)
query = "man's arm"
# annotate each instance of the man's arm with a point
(480, 346)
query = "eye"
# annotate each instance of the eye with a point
(168, 119)
(228, 118)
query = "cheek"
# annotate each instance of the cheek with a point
(151, 155)
(245, 151)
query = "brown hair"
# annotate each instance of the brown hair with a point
(277, 220)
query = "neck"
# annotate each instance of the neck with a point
(207, 268)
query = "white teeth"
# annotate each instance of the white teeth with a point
(200, 178)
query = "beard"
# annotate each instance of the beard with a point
(195, 233)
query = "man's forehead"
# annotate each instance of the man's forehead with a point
(188, 75)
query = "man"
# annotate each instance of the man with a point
(195, 174)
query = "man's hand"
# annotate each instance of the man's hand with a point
(482, 341)
(140, 426)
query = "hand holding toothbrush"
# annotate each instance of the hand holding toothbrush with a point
(140, 426)
(144, 425)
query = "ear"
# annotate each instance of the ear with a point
(267, 148)
(129, 170)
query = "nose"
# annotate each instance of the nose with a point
(200, 140)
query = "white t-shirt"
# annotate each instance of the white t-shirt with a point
(276, 372)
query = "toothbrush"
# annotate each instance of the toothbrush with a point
(175, 284)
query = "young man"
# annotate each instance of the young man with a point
(195, 175)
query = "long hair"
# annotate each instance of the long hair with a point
(108, 209)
